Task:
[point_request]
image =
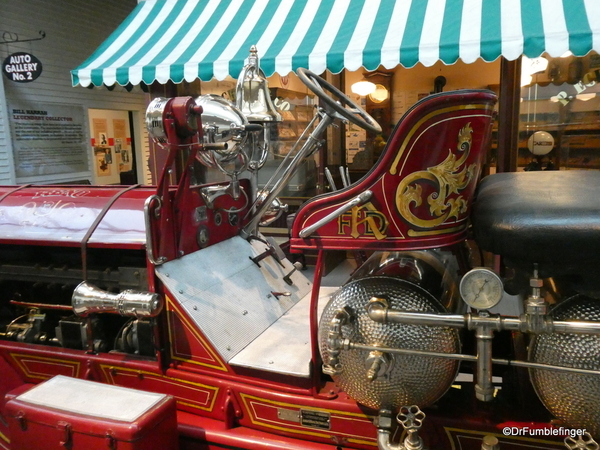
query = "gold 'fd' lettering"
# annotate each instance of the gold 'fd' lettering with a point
(364, 220)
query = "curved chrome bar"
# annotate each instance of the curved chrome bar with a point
(358, 200)
(149, 247)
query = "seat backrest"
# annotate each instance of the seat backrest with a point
(421, 187)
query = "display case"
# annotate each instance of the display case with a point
(580, 151)
(562, 100)
(295, 121)
(297, 111)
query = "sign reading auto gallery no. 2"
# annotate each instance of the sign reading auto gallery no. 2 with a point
(22, 67)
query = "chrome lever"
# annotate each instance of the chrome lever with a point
(345, 181)
(330, 179)
(358, 200)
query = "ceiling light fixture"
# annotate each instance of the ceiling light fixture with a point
(363, 88)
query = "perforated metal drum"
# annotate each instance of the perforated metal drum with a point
(572, 397)
(402, 379)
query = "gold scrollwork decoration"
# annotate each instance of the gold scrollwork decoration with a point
(449, 177)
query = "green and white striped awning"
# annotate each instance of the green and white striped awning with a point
(189, 39)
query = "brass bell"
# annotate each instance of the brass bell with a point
(252, 95)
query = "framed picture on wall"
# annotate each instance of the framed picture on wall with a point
(102, 161)
(102, 139)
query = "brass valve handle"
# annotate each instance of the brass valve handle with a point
(584, 441)
(411, 417)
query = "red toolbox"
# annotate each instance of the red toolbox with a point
(77, 414)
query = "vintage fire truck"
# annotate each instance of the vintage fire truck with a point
(161, 318)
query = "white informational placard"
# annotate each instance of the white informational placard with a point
(48, 140)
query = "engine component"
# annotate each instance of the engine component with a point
(411, 418)
(572, 397)
(583, 442)
(88, 299)
(386, 381)
(363, 197)
(72, 333)
(136, 338)
(28, 328)
(490, 442)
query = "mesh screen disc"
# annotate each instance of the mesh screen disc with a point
(408, 379)
(572, 397)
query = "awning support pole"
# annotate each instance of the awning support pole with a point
(508, 115)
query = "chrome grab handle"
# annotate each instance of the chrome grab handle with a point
(149, 247)
(358, 200)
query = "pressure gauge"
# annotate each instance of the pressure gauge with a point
(481, 288)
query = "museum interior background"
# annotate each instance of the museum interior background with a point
(558, 98)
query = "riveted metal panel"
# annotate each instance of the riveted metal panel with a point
(230, 298)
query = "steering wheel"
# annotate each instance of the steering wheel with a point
(338, 101)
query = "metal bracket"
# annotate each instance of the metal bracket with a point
(66, 428)
(111, 441)
(268, 252)
(288, 278)
(22, 420)
(12, 38)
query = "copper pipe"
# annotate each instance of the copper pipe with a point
(42, 305)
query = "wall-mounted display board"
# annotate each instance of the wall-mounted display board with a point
(47, 140)
(111, 145)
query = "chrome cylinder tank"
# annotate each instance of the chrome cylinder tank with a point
(88, 299)
(435, 271)
(400, 379)
(572, 397)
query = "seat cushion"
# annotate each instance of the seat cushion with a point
(550, 217)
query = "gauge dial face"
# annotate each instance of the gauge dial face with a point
(481, 288)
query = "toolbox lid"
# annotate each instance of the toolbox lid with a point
(91, 398)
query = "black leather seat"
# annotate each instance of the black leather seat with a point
(551, 218)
